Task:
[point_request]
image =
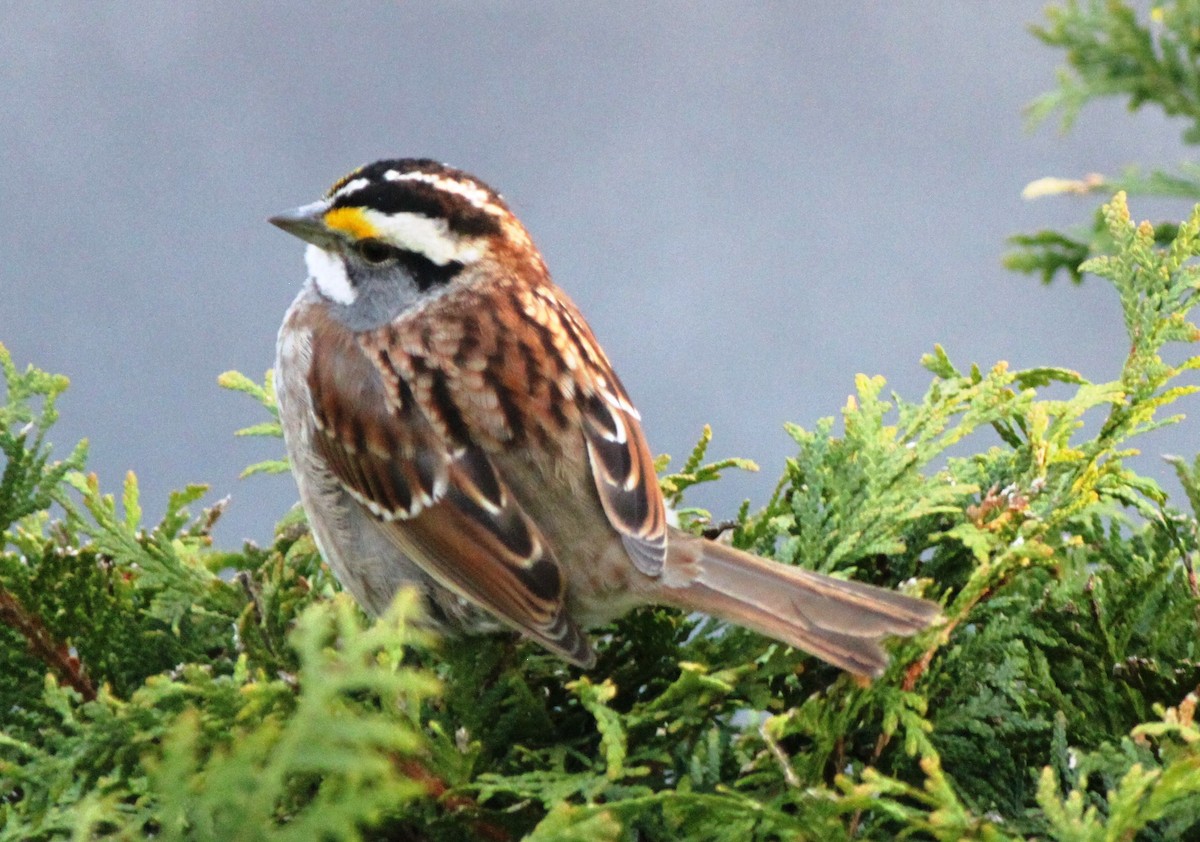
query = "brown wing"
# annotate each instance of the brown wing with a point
(622, 467)
(624, 475)
(441, 501)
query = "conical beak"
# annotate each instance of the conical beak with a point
(308, 223)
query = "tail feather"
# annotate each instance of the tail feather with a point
(839, 621)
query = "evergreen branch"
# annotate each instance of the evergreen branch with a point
(1048, 705)
(1110, 52)
(29, 479)
(274, 707)
(55, 654)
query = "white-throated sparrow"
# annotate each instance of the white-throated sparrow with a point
(453, 424)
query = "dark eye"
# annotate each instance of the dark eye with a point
(374, 251)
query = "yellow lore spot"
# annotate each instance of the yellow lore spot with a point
(352, 221)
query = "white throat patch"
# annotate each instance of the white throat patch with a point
(328, 272)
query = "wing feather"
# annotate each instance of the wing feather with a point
(621, 465)
(441, 500)
(623, 471)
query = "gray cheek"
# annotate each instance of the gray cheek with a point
(379, 300)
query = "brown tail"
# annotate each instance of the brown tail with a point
(839, 621)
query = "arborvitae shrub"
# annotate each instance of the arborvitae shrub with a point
(152, 685)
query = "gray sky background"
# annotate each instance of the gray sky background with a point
(751, 202)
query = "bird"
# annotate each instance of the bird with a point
(453, 425)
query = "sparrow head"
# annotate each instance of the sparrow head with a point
(395, 231)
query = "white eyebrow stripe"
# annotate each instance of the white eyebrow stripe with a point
(473, 193)
(423, 235)
(352, 186)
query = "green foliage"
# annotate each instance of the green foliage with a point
(265, 394)
(157, 686)
(1046, 253)
(29, 480)
(1111, 52)
(153, 685)
(696, 472)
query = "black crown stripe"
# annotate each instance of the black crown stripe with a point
(420, 197)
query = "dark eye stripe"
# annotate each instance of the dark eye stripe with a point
(424, 271)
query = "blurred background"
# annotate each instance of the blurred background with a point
(751, 203)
